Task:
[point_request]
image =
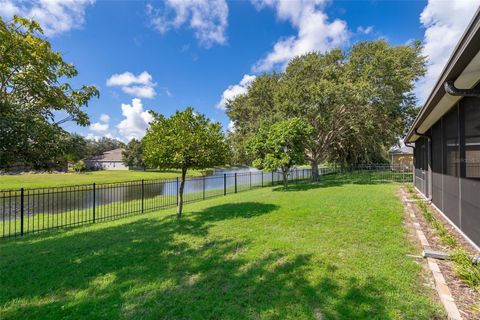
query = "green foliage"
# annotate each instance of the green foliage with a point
(358, 102)
(79, 166)
(280, 145)
(132, 156)
(248, 112)
(32, 92)
(186, 140)
(467, 271)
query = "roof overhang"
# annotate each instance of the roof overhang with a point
(463, 67)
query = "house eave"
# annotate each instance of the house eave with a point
(463, 67)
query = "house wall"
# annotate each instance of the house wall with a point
(106, 165)
(455, 166)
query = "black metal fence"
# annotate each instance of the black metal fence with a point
(24, 211)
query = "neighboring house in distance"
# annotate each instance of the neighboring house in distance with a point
(110, 160)
(446, 134)
(401, 157)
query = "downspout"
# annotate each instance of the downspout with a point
(429, 161)
(450, 88)
(413, 164)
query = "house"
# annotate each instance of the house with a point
(110, 160)
(446, 134)
(401, 157)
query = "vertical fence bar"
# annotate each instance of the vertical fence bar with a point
(235, 182)
(250, 180)
(177, 191)
(224, 184)
(143, 194)
(262, 178)
(93, 210)
(272, 178)
(203, 187)
(22, 205)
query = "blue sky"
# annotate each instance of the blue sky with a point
(165, 56)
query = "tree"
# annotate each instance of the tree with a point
(32, 92)
(75, 147)
(132, 156)
(247, 110)
(280, 145)
(186, 140)
(358, 102)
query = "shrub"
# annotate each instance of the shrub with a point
(79, 166)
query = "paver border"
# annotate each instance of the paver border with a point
(440, 284)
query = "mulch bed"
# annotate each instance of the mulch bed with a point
(466, 298)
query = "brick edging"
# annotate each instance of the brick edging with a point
(440, 284)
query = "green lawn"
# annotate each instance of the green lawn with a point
(325, 251)
(37, 180)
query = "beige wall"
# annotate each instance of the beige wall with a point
(404, 160)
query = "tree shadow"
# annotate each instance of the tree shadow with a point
(176, 269)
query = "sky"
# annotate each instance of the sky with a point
(165, 56)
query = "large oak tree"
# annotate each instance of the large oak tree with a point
(359, 102)
(35, 98)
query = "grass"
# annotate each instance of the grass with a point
(314, 251)
(38, 180)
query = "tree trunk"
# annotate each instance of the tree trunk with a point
(315, 175)
(285, 178)
(180, 194)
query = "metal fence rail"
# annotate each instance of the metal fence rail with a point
(24, 211)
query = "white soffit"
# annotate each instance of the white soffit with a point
(467, 80)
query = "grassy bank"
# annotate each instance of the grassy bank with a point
(332, 251)
(37, 180)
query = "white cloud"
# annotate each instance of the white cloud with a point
(444, 22)
(99, 127)
(140, 86)
(54, 16)
(140, 91)
(234, 90)
(315, 31)
(105, 117)
(365, 30)
(208, 18)
(136, 120)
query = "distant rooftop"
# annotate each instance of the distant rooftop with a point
(402, 150)
(108, 156)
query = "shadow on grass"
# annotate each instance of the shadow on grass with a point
(175, 269)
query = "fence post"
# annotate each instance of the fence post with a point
(94, 188)
(235, 182)
(177, 191)
(224, 184)
(143, 194)
(272, 179)
(262, 178)
(203, 187)
(21, 210)
(250, 180)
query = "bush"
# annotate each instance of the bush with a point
(466, 269)
(79, 166)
